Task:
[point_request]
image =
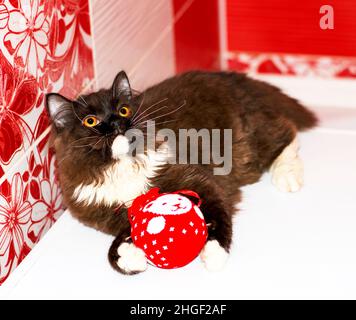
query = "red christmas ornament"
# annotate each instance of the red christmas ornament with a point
(168, 227)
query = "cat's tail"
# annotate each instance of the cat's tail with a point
(302, 117)
(278, 102)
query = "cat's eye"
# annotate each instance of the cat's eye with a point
(90, 121)
(125, 112)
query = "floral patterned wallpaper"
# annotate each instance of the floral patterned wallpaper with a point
(45, 46)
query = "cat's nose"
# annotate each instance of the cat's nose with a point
(118, 127)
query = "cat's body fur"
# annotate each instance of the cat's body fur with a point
(263, 120)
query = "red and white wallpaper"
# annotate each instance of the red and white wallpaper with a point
(45, 46)
(285, 37)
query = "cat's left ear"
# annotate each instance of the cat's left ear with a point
(121, 85)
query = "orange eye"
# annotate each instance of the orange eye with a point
(90, 121)
(125, 112)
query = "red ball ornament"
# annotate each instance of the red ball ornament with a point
(168, 227)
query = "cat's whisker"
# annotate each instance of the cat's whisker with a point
(70, 154)
(139, 108)
(94, 130)
(81, 103)
(100, 140)
(85, 103)
(93, 147)
(168, 113)
(82, 146)
(147, 115)
(81, 120)
(149, 108)
(80, 139)
(58, 163)
(145, 125)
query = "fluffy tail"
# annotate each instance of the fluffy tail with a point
(302, 117)
(278, 102)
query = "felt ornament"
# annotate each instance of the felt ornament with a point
(169, 227)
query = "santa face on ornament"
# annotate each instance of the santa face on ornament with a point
(169, 204)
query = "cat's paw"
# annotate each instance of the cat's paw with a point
(132, 259)
(288, 176)
(287, 169)
(213, 256)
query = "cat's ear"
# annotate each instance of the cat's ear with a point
(121, 86)
(60, 109)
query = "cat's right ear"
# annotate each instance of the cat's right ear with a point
(121, 85)
(60, 109)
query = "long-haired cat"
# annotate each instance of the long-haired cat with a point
(99, 178)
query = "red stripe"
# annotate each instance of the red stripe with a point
(197, 36)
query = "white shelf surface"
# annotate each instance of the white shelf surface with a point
(300, 245)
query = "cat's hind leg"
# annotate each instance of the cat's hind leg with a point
(287, 169)
(214, 256)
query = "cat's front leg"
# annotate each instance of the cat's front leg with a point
(123, 255)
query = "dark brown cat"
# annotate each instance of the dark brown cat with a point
(98, 176)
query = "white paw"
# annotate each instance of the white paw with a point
(213, 256)
(288, 176)
(132, 259)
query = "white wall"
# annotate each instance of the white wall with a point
(316, 91)
(133, 35)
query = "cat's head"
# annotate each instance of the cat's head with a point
(94, 125)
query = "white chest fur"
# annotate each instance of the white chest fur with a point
(121, 182)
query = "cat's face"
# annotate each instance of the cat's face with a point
(90, 124)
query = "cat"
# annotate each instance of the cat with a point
(99, 179)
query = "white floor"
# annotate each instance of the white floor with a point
(299, 245)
